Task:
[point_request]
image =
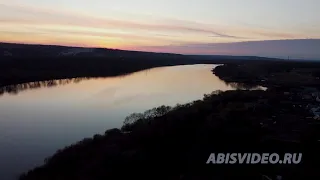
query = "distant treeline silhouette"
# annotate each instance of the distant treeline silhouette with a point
(21, 70)
(29, 63)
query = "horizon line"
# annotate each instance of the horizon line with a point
(164, 52)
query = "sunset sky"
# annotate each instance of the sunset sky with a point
(143, 24)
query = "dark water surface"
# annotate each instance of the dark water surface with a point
(37, 119)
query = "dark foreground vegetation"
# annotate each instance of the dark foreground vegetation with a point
(175, 142)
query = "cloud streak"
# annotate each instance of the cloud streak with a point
(130, 31)
(46, 16)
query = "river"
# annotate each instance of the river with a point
(37, 119)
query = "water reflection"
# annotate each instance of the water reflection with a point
(15, 89)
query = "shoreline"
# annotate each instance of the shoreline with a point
(25, 70)
(175, 142)
(283, 75)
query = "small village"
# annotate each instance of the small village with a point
(299, 109)
(307, 98)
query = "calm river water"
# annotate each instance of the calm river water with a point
(36, 122)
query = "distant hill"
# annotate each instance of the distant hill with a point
(294, 50)
(298, 49)
(32, 50)
(215, 57)
(11, 50)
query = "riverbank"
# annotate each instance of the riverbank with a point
(23, 63)
(24, 70)
(175, 142)
(271, 74)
